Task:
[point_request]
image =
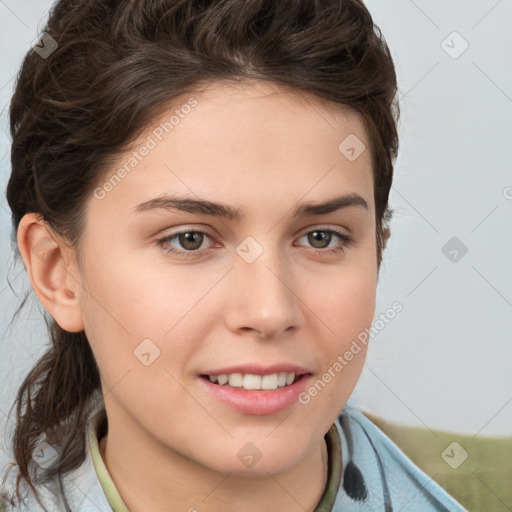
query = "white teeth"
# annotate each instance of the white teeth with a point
(270, 381)
(223, 379)
(251, 381)
(236, 380)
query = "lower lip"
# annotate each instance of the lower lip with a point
(258, 402)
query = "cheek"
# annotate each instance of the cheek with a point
(129, 301)
(347, 303)
(128, 296)
(348, 309)
(116, 313)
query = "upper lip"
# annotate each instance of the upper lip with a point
(257, 369)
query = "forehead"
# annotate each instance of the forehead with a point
(260, 106)
(251, 140)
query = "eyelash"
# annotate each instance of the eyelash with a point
(346, 241)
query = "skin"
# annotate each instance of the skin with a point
(264, 150)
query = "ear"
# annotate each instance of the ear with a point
(52, 270)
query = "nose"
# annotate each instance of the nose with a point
(264, 297)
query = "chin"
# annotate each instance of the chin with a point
(248, 459)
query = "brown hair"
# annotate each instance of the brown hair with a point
(116, 64)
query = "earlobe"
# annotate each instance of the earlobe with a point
(51, 271)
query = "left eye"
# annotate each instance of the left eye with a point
(191, 242)
(324, 237)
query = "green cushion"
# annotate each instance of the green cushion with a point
(482, 482)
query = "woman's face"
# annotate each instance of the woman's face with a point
(254, 290)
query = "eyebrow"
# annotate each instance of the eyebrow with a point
(203, 207)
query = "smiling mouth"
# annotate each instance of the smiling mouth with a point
(254, 382)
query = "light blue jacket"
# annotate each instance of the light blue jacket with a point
(375, 476)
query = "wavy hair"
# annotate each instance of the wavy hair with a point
(116, 65)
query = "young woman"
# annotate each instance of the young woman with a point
(200, 195)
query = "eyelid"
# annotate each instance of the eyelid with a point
(307, 229)
(325, 227)
(184, 228)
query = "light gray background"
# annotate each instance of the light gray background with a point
(445, 360)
